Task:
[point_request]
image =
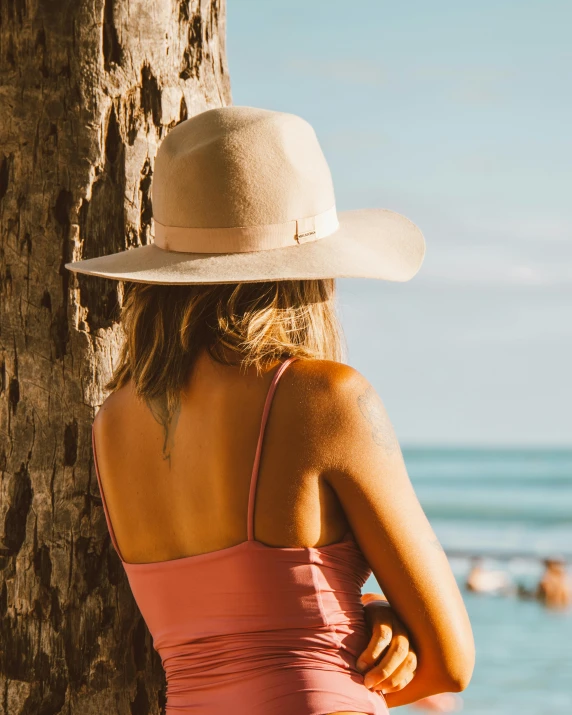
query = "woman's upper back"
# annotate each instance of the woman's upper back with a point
(182, 489)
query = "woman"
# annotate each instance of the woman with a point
(256, 514)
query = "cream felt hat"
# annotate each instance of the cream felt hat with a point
(241, 194)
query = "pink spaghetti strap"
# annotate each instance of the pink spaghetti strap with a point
(109, 525)
(254, 478)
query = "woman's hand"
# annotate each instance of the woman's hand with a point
(397, 666)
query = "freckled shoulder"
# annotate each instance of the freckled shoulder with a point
(322, 391)
(340, 403)
(317, 382)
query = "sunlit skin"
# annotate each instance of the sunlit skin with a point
(330, 461)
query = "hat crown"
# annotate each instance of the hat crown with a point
(240, 166)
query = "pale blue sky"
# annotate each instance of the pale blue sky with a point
(459, 116)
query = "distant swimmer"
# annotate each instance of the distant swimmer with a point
(483, 580)
(555, 589)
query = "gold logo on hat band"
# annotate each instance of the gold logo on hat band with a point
(241, 239)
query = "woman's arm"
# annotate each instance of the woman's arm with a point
(368, 474)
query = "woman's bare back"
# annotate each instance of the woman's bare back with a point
(182, 490)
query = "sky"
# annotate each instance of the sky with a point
(457, 115)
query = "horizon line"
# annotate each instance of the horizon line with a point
(487, 447)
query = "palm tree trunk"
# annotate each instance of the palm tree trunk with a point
(88, 90)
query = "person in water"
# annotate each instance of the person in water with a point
(554, 588)
(484, 580)
(250, 478)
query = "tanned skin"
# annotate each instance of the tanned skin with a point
(330, 461)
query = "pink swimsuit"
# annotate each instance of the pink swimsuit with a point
(254, 629)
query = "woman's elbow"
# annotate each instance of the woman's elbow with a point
(459, 682)
(459, 668)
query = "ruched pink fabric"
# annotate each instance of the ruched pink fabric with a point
(254, 629)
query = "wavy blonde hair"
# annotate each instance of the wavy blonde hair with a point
(166, 326)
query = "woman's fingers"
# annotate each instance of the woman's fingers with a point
(400, 677)
(396, 654)
(389, 644)
(379, 617)
(381, 636)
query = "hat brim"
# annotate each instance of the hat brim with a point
(370, 243)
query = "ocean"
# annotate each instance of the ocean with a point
(498, 503)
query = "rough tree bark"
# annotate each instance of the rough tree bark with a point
(88, 89)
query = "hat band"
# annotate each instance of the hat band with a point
(241, 239)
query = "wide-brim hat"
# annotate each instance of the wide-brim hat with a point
(241, 194)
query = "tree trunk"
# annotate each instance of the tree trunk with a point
(88, 89)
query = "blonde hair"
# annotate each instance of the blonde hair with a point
(166, 326)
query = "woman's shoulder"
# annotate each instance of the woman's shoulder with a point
(331, 379)
(118, 403)
(327, 387)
